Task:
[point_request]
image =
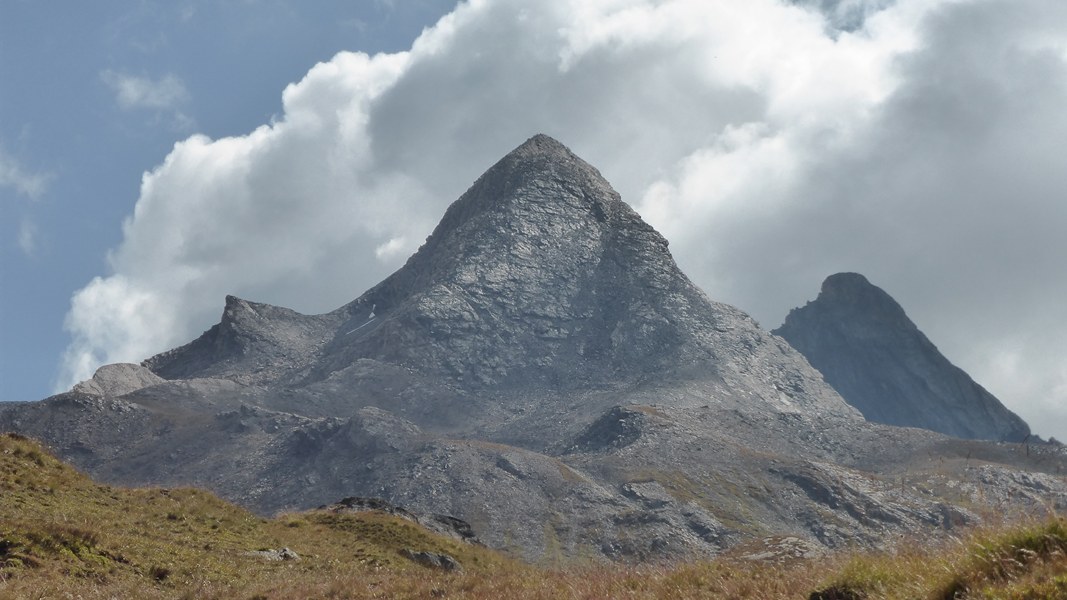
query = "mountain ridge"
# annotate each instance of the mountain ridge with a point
(542, 369)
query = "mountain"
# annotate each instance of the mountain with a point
(859, 338)
(541, 369)
(538, 284)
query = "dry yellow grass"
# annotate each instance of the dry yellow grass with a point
(64, 536)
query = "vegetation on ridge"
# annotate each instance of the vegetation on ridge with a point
(64, 536)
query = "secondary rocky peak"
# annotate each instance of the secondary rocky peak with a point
(868, 349)
(853, 293)
(258, 339)
(851, 287)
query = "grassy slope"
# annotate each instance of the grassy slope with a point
(63, 536)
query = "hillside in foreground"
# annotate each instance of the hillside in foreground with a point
(64, 536)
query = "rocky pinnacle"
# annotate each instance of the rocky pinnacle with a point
(879, 361)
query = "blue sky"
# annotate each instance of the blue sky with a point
(62, 125)
(155, 156)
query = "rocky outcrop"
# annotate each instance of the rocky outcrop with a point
(879, 361)
(433, 560)
(252, 343)
(118, 380)
(618, 428)
(281, 554)
(444, 525)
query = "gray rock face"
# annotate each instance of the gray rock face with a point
(432, 560)
(118, 380)
(543, 371)
(281, 554)
(879, 361)
(444, 525)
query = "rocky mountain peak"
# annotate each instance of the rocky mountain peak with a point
(854, 294)
(539, 161)
(251, 337)
(851, 287)
(534, 174)
(538, 208)
(539, 263)
(539, 267)
(868, 349)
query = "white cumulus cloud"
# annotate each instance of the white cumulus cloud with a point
(772, 142)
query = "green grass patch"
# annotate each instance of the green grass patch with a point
(64, 536)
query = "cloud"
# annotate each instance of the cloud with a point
(15, 176)
(32, 185)
(27, 237)
(165, 95)
(772, 142)
(846, 15)
(947, 193)
(133, 92)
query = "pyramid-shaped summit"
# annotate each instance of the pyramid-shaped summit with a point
(540, 216)
(538, 273)
(538, 279)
